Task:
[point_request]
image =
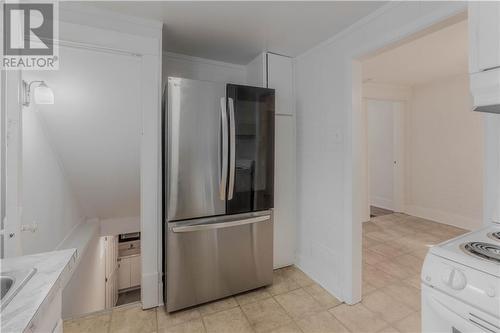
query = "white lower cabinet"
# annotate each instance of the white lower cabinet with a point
(135, 271)
(129, 272)
(50, 321)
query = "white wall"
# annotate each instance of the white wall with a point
(47, 197)
(444, 150)
(116, 226)
(329, 148)
(195, 68)
(446, 154)
(380, 116)
(85, 292)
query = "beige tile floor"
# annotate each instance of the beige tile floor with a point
(393, 250)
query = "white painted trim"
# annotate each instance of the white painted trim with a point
(185, 57)
(353, 85)
(13, 164)
(151, 180)
(363, 21)
(440, 216)
(110, 20)
(354, 170)
(85, 28)
(382, 202)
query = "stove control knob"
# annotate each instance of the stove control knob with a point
(458, 280)
(447, 276)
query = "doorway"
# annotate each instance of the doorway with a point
(423, 151)
(385, 155)
(81, 169)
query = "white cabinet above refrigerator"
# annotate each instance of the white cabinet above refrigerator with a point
(484, 35)
(276, 71)
(484, 55)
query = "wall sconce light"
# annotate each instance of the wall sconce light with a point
(42, 93)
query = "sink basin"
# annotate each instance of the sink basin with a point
(6, 283)
(12, 282)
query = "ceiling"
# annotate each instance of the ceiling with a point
(237, 31)
(436, 55)
(94, 128)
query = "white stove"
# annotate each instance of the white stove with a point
(461, 284)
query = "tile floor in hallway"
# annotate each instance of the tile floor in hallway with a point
(393, 250)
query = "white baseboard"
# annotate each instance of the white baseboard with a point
(440, 216)
(382, 202)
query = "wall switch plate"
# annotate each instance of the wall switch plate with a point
(33, 227)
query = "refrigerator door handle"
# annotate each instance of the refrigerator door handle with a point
(232, 149)
(223, 177)
(221, 225)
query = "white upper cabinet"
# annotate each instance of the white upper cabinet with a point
(275, 71)
(484, 35)
(280, 77)
(257, 72)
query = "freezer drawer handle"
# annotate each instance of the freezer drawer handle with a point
(190, 228)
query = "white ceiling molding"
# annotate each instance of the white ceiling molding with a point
(236, 32)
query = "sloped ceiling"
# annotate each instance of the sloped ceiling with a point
(237, 31)
(94, 128)
(436, 55)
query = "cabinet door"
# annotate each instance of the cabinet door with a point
(284, 212)
(485, 37)
(135, 271)
(280, 77)
(124, 273)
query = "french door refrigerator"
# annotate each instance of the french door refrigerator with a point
(219, 190)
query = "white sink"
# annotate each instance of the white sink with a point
(11, 283)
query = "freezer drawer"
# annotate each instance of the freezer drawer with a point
(217, 258)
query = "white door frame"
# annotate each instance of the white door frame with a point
(93, 29)
(11, 113)
(355, 169)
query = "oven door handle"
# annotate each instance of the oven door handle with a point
(212, 226)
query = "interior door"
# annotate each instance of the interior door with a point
(195, 175)
(251, 161)
(111, 260)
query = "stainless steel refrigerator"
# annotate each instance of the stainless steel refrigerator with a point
(219, 190)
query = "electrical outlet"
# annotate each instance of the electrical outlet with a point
(33, 227)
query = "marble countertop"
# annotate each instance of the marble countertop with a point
(53, 269)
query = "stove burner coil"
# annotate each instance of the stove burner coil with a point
(494, 235)
(482, 250)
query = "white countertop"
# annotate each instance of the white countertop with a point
(53, 269)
